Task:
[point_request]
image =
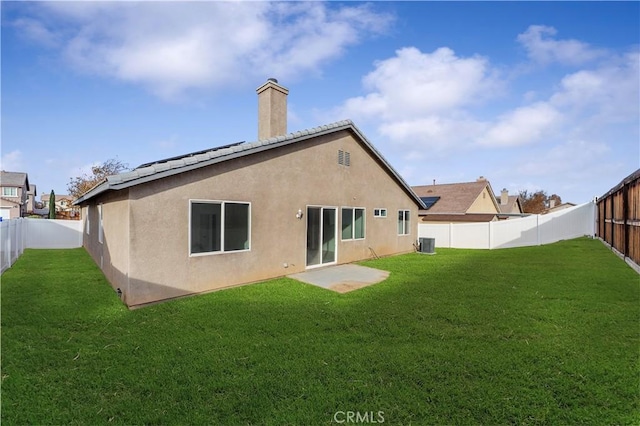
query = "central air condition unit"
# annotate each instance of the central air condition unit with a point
(427, 245)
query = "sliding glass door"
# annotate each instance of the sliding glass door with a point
(321, 235)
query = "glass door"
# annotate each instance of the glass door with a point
(321, 235)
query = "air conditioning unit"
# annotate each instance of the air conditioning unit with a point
(427, 245)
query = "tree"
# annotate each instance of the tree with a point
(537, 202)
(81, 184)
(52, 205)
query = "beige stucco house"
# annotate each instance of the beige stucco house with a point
(458, 202)
(510, 205)
(248, 211)
(14, 194)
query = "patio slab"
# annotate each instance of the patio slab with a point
(342, 278)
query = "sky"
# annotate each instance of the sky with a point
(531, 95)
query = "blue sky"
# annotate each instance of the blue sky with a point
(531, 95)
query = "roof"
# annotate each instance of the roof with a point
(454, 197)
(172, 166)
(506, 208)
(13, 179)
(468, 217)
(59, 197)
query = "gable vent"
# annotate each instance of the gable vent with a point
(344, 158)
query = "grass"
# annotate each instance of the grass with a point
(539, 335)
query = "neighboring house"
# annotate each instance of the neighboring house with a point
(509, 204)
(247, 212)
(459, 202)
(13, 194)
(64, 206)
(554, 208)
(31, 199)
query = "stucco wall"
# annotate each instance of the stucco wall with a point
(483, 204)
(112, 255)
(277, 182)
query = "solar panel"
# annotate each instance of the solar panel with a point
(429, 201)
(191, 154)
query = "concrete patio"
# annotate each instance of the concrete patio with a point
(342, 278)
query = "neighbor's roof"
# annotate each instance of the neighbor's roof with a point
(467, 217)
(13, 179)
(454, 197)
(59, 197)
(160, 169)
(506, 208)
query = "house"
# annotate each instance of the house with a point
(458, 202)
(31, 199)
(14, 188)
(553, 207)
(247, 212)
(65, 209)
(509, 205)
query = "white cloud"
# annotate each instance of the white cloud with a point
(608, 93)
(171, 48)
(419, 99)
(414, 84)
(12, 162)
(541, 47)
(522, 126)
(36, 31)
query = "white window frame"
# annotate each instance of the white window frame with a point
(222, 230)
(406, 222)
(353, 221)
(88, 220)
(100, 225)
(378, 212)
(12, 193)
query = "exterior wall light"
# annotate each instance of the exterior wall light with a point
(299, 214)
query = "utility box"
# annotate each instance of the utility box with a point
(427, 245)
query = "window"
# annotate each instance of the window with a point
(403, 222)
(379, 212)
(352, 223)
(219, 226)
(100, 231)
(9, 192)
(88, 220)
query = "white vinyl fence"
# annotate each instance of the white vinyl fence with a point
(18, 234)
(532, 230)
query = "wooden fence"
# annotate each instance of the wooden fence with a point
(619, 218)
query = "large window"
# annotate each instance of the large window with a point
(219, 226)
(403, 222)
(9, 192)
(352, 223)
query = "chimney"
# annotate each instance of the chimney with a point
(272, 109)
(504, 197)
(481, 179)
(552, 203)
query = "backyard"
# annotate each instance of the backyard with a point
(535, 335)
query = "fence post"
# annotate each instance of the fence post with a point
(490, 234)
(538, 229)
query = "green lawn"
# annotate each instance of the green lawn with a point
(539, 335)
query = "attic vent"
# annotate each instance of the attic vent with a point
(344, 158)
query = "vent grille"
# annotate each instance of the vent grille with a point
(344, 158)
